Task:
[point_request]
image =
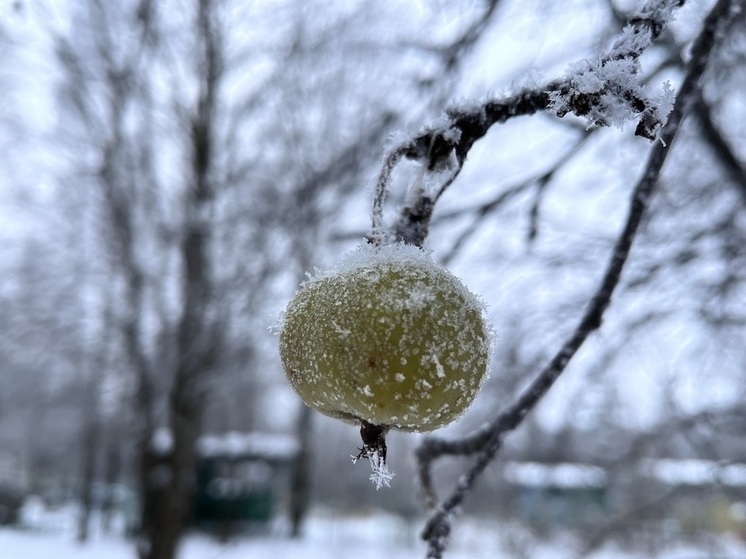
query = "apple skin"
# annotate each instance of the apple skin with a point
(388, 337)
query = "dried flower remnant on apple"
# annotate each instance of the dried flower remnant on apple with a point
(388, 339)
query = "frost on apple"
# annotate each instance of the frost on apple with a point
(388, 339)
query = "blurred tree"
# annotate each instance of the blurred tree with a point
(154, 224)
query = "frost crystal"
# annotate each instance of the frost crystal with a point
(381, 474)
(606, 91)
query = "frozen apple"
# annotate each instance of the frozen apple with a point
(387, 338)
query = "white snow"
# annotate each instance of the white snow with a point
(240, 444)
(162, 441)
(367, 256)
(344, 332)
(366, 535)
(566, 475)
(695, 472)
(614, 77)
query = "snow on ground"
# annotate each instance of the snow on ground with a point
(25, 545)
(362, 537)
(328, 535)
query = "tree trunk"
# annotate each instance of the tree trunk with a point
(169, 473)
(112, 470)
(198, 333)
(160, 529)
(90, 438)
(300, 482)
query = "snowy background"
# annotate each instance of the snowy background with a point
(639, 449)
(368, 536)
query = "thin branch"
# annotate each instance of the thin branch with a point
(720, 147)
(604, 92)
(485, 209)
(479, 214)
(487, 441)
(390, 160)
(452, 53)
(466, 126)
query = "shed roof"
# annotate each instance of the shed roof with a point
(234, 444)
(565, 475)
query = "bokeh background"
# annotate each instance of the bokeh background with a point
(170, 170)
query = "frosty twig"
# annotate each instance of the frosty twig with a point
(604, 92)
(390, 161)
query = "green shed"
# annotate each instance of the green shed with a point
(242, 481)
(559, 494)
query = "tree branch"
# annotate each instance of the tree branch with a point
(720, 147)
(487, 441)
(466, 126)
(604, 92)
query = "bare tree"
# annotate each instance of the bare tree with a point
(169, 369)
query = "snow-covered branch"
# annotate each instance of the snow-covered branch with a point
(604, 92)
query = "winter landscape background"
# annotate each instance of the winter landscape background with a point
(170, 170)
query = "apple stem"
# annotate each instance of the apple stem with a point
(374, 440)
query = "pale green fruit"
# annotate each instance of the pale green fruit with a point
(388, 337)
